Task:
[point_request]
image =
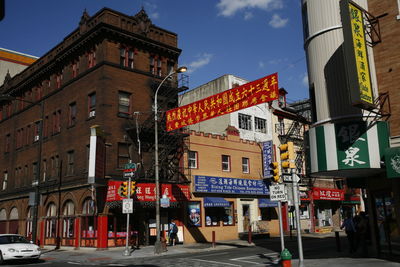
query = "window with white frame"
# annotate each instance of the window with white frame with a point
(192, 160)
(124, 103)
(245, 165)
(5, 180)
(260, 125)
(226, 163)
(244, 122)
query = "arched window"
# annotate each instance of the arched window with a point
(3, 221)
(89, 222)
(51, 221)
(14, 214)
(3, 215)
(68, 221)
(69, 208)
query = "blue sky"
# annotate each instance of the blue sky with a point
(246, 38)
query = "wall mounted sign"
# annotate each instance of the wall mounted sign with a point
(225, 185)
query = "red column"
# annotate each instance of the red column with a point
(102, 238)
(77, 231)
(285, 218)
(41, 233)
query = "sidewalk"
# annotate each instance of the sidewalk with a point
(85, 254)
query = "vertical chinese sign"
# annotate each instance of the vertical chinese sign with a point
(356, 55)
(247, 95)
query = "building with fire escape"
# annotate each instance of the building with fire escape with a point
(71, 121)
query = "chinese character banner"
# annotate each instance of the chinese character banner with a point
(247, 95)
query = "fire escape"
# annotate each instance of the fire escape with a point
(171, 145)
(294, 132)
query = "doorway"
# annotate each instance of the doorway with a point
(246, 217)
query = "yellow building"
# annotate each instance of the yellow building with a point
(227, 188)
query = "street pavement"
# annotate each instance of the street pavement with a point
(318, 250)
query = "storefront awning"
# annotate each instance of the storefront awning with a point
(266, 203)
(215, 202)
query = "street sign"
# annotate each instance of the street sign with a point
(127, 206)
(289, 178)
(130, 167)
(129, 174)
(277, 192)
(129, 170)
(164, 202)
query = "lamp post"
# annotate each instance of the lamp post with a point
(157, 245)
(35, 184)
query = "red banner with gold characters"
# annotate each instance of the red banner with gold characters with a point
(244, 96)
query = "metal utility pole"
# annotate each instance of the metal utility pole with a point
(297, 210)
(281, 225)
(127, 252)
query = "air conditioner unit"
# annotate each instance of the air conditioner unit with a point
(36, 138)
(92, 113)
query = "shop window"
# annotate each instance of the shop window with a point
(193, 160)
(304, 212)
(194, 213)
(123, 154)
(244, 121)
(124, 100)
(72, 114)
(268, 214)
(226, 163)
(260, 125)
(92, 105)
(245, 165)
(29, 218)
(216, 216)
(89, 223)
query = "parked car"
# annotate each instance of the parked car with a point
(17, 247)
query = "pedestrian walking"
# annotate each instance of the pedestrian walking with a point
(350, 229)
(361, 224)
(173, 231)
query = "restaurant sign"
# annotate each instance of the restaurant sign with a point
(328, 194)
(250, 94)
(147, 192)
(225, 185)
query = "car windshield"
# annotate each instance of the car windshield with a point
(10, 239)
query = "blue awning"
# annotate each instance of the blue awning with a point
(215, 202)
(266, 203)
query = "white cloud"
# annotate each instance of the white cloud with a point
(261, 64)
(248, 15)
(278, 22)
(201, 61)
(154, 15)
(228, 8)
(305, 80)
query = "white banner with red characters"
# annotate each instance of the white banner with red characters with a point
(328, 194)
(147, 192)
(253, 93)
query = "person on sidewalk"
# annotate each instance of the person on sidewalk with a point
(361, 225)
(350, 229)
(173, 231)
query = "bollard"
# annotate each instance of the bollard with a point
(286, 258)
(213, 239)
(338, 245)
(249, 236)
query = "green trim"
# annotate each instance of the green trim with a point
(321, 149)
(383, 137)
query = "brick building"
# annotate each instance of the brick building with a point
(87, 86)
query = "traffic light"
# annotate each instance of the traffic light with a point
(123, 189)
(133, 187)
(275, 171)
(287, 155)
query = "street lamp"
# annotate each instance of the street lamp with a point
(35, 184)
(157, 245)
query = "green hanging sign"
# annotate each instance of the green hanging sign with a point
(392, 161)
